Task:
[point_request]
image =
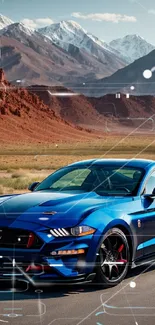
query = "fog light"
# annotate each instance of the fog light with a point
(68, 252)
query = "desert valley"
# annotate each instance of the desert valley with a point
(65, 95)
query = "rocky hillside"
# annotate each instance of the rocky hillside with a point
(70, 106)
(17, 101)
(81, 109)
(24, 117)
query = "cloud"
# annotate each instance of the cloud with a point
(36, 23)
(114, 18)
(151, 11)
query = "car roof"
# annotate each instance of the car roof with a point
(139, 163)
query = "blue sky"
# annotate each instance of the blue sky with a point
(107, 19)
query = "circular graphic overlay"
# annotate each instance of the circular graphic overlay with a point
(132, 284)
(147, 74)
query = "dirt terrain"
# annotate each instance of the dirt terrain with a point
(24, 118)
(133, 107)
(73, 107)
(45, 115)
(120, 115)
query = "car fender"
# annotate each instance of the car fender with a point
(95, 220)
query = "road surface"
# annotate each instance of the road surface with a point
(131, 302)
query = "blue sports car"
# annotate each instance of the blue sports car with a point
(91, 220)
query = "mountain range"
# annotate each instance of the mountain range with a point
(128, 48)
(132, 47)
(67, 64)
(66, 33)
(66, 54)
(69, 35)
(29, 56)
(130, 80)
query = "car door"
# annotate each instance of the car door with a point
(148, 219)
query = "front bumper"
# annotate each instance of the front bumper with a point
(37, 273)
(80, 279)
(22, 263)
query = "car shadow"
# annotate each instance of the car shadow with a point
(24, 292)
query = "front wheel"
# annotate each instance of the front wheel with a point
(113, 258)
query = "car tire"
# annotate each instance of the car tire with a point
(113, 251)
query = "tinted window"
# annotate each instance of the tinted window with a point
(104, 180)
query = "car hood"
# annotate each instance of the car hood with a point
(50, 209)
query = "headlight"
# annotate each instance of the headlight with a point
(60, 232)
(82, 231)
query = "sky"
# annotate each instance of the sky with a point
(106, 19)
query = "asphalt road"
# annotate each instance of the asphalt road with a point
(131, 302)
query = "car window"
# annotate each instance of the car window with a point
(104, 180)
(73, 178)
(150, 184)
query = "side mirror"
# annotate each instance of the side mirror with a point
(150, 196)
(33, 186)
(153, 193)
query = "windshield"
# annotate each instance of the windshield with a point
(103, 180)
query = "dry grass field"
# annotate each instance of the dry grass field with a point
(21, 165)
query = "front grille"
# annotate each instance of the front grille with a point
(17, 238)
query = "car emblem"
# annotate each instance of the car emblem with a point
(52, 213)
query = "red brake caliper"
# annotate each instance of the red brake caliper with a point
(120, 248)
(30, 240)
(121, 260)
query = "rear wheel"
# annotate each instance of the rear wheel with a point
(113, 260)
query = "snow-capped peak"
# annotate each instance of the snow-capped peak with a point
(132, 47)
(66, 33)
(24, 28)
(5, 21)
(16, 29)
(70, 24)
